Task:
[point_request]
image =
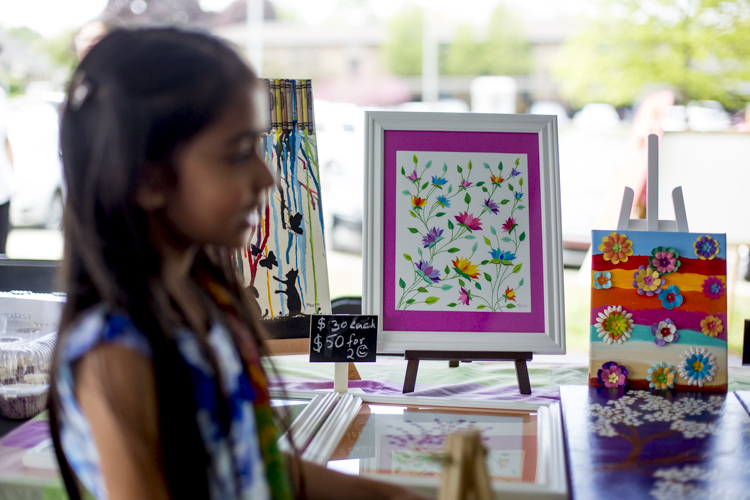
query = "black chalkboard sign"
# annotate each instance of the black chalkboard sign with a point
(343, 338)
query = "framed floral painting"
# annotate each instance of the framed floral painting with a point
(462, 241)
(658, 310)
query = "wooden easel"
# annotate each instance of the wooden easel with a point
(520, 359)
(465, 472)
(652, 222)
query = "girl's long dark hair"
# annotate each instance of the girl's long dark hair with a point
(136, 97)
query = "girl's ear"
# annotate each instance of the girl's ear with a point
(151, 194)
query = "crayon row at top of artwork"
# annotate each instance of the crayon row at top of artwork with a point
(290, 105)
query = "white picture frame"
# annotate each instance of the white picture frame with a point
(504, 149)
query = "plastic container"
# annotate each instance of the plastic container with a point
(25, 357)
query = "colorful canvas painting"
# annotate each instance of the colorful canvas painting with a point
(666, 445)
(463, 240)
(284, 262)
(658, 311)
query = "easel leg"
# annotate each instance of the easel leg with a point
(522, 372)
(411, 375)
(453, 363)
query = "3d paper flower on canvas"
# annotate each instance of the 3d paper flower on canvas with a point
(468, 221)
(665, 260)
(425, 270)
(647, 281)
(664, 332)
(418, 202)
(433, 236)
(661, 376)
(670, 297)
(612, 375)
(496, 179)
(706, 248)
(698, 366)
(616, 248)
(465, 268)
(464, 296)
(491, 206)
(713, 287)
(602, 280)
(614, 325)
(711, 326)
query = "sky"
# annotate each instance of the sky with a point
(50, 17)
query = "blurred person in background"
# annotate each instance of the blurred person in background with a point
(89, 35)
(6, 171)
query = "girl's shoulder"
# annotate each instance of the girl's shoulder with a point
(98, 325)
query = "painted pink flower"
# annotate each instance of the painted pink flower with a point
(464, 296)
(713, 287)
(412, 176)
(469, 221)
(465, 183)
(509, 224)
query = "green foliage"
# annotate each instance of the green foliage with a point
(699, 48)
(403, 48)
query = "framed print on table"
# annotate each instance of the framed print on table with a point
(462, 245)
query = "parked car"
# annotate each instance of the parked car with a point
(33, 131)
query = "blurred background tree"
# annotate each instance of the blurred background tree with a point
(403, 47)
(699, 48)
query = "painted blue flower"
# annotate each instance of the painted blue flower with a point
(602, 280)
(492, 206)
(443, 201)
(498, 254)
(425, 270)
(439, 181)
(515, 172)
(432, 237)
(670, 297)
(519, 195)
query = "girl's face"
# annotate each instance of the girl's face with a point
(221, 178)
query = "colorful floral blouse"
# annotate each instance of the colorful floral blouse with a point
(237, 469)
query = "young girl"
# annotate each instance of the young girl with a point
(158, 391)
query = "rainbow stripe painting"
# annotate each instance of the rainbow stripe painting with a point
(284, 263)
(658, 311)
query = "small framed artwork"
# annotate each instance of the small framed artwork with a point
(462, 236)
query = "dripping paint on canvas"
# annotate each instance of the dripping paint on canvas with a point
(284, 262)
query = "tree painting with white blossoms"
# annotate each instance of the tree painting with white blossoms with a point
(462, 232)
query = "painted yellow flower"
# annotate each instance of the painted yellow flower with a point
(616, 248)
(417, 201)
(712, 326)
(465, 267)
(496, 179)
(510, 293)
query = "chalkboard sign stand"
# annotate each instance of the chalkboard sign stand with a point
(520, 358)
(341, 377)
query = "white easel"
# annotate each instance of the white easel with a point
(652, 222)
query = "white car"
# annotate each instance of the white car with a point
(33, 131)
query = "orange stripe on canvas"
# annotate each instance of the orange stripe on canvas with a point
(692, 301)
(686, 282)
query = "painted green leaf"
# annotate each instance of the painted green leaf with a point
(467, 199)
(469, 164)
(431, 300)
(492, 230)
(487, 277)
(520, 207)
(439, 214)
(461, 282)
(480, 184)
(403, 172)
(445, 167)
(406, 192)
(453, 250)
(520, 181)
(410, 301)
(447, 287)
(412, 214)
(450, 189)
(517, 269)
(401, 283)
(415, 159)
(484, 189)
(450, 226)
(427, 280)
(447, 270)
(520, 283)
(510, 186)
(505, 202)
(506, 239)
(511, 306)
(458, 167)
(422, 289)
(428, 164)
(500, 166)
(495, 261)
(470, 237)
(485, 262)
(407, 257)
(420, 251)
(478, 286)
(487, 241)
(522, 237)
(474, 248)
(481, 306)
(517, 160)
(486, 165)
(424, 186)
(452, 304)
(413, 230)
